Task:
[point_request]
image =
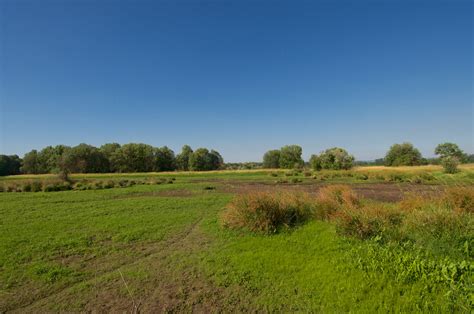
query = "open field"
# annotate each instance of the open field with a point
(161, 246)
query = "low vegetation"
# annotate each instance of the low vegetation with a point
(238, 241)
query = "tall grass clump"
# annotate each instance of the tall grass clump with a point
(268, 213)
(333, 198)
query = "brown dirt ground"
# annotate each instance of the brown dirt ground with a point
(387, 192)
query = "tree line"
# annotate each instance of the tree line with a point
(336, 158)
(111, 157)
(138, 157)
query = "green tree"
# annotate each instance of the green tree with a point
(182, 159)
(403, 155)
(202, 160)
(216, 160)
(134, 157)
(315, 162)
(336, 159)
(290, 157)
(84, 158)
(271, 159)
(450, 164)
(31, 163)
(164, 159)
(450, 150)
(9, 165)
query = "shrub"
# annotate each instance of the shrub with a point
(123, 183)
(366, 222)
(404, 154)
(334, 158)
(450, 164)
(332, 198)
(362, 177)
(395, 177)
(459, 199)
(26, 187)
(274, 174)
(307, 173)
(108, 185)
(36, 186)
(296, 180)
(266, 212)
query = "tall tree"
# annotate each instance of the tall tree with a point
(271, 159)
(9, 165)
(404, 154)
(182, 159)
(290, 157)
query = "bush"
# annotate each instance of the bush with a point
(450, 164)
(362, 177)
(296, 180)
(459, 199)
(274, 174)
(366, 222)
(332, 198)
(36, 186)
(334, 158)
(266, 212)
(307, 174)
(404, 154)
(26, 187)
(108, 185)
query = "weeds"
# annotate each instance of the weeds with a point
(266, 212)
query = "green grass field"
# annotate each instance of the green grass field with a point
(161, 247)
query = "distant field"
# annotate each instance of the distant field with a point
(160, 246)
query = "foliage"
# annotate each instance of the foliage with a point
(335, 158)
(290, 157)
(315, 162)
(203, 160)
(164, 159)
(9, 165)
(271, 159)
(134, 157)
(449, 150)
(450, 164)
(403, 155)
(267, 212)
(182, 159)
(84, 158)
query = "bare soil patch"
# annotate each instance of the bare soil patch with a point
(386, 192)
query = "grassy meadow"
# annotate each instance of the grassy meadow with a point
(401, 241)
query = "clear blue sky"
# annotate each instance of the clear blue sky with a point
(238, 76)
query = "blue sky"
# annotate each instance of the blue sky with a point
(238, 76)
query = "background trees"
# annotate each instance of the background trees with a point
(403, 155)
(271, 159)
(202, 159)
(333, 158)
(290, 157)
(84, 158)
(451, 156)
(182, 159)
(164, 159)
(9, 165)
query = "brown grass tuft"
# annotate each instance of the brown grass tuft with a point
(266, 212)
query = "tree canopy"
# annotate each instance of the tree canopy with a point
(404, 154)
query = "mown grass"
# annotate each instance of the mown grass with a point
(63, 250)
